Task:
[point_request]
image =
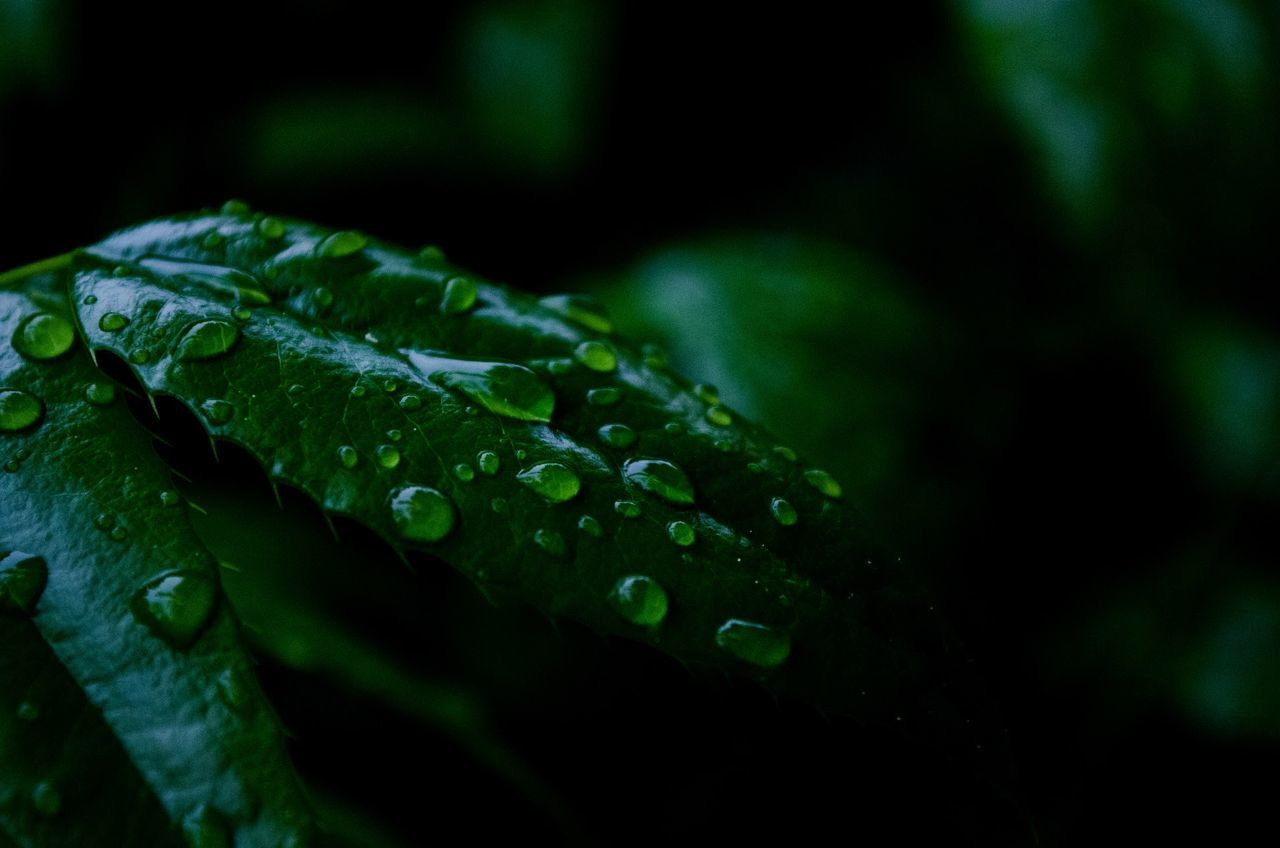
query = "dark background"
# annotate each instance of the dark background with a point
(1005, 268)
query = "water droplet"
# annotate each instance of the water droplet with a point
(823, 482)
(587, 524)
(719, 416)
(177, 606)
(90, 299)
(464, 472)
(498, 505)
(348, 456)
(139, 356)
(322, 297)
(169, 497)
(104, 520)
(271, 227)
(550, 541)
(358, 390)
(410, 402)
(217, 412)
(394, 435)
(654, 356)
(22, 581)
(640, 600)
(431, 253)
(390, 386)
(488, 462)
(28, 711)
(682, 533)
(112, 322)
(581, 309)
(661, 478)
(12, 466)
(43, 336)
(784, 452)
(100, 394)
(222, 280)
(753, 643)
(46, 798)
(205, 827)
(118, 533)
(234, 690)
(459, 296)
(388, 456)
(707, 392)
(212, 239)
(617, 435)
(675, 428)
(607, 396)
(596, 355)
(207, 339)
(559, 367)
(783, 512)
(235, 207)
(627, 509)
(422, 514)
(503, 388)
(241, 313)
(522, 454)
(340, 244)
(18, 410)
(553, 481)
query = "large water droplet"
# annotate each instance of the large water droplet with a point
(608, 396)
(581, 309)
(823, 482)
(617, 435)
(205, 827)
(503, 388)
(783, 512)
(661, 478)
(388, 456)
(488, 462)
(43, 336)
(18, 410)
(753, 643)
(222, 280)
(22, 581)
(342, 243)
(422, 514)
(217, 412)
(682, 533)
(550, 541)
(177, 606)
(555, 482)
(640, 600)
(597, 356)
(46, 798)
(207, 339)
(459, 296)
(112, 322)
(100, 394)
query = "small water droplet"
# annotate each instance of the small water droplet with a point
(559, 367)
(388, 456)
(28, 711)
(207, 339)
(522, 454)
(177, 606)
(503, 388)
(422, 514)
(410, 402)
(112, 322)
(581, 309)
(753, 643)
(205, 827)
(322, 297)
(682, 533)
(46, 798)
(464, 472)
(627, 509)
(783, 512)
(390, 386)
(675, 428)
(22, 581)
(340, 244)
(499, 505)
(18, 410)
(459, 296)
(719, 416)
(553, 481)
(358, 390)
(617, 435)
(607, 396)
(90, 299)
(217, 412)
(661, 478)
(43, 336)
(348, 456)
(823, 482)
(118, 533)
(270, 227)
(550, 541)
(587, 524)
(139, 356)
(235, 207)
(212, 239)
(169, 497)
(104, 520)
(640, 600)
(431, 253)
(488, 462)
(394, 435)
(241, 313)
(100, 394)
(597, 356)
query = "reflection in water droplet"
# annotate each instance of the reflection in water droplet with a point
(100, 394)
(753, 643)
(18, 410)
(43, 336)
(596, 355)
(587, 524)
(682, 533)
(617, 435)
(422, 514)
(459, 296)
(217, 412)
(550, 541)
(823, 482)
(22, 581)
(607, 396)
(340, 244)
(553, 481)
(207, 339)
(488, 462)
(177, 606)
(112, 322)
(388, 456)
(640, 600)
(661, 478)
(503, 388)
(348, 456)
(783, 512)
(581, 309)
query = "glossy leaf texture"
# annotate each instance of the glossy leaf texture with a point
(129, 713)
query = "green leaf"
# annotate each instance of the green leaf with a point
(128, 709)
